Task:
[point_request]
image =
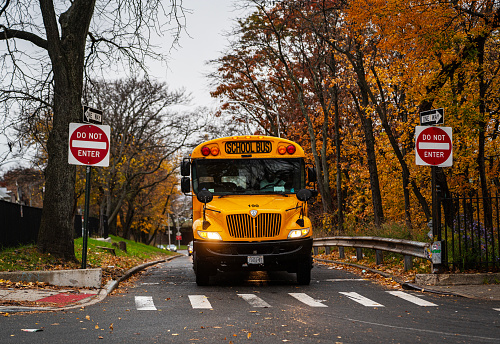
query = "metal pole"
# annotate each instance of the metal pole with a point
(86, 217)
(168, 223)
(435, 233)
(437, 266)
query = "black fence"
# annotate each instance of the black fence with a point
(19, 224)
(470, 235)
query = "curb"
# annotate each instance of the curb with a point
(103, 292)
(404, 285)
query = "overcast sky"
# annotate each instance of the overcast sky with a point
(207, 23)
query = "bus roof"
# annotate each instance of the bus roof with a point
(248, 146)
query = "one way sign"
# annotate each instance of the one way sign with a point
(432, 117)
(91, 115)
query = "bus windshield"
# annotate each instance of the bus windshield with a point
(248, 176)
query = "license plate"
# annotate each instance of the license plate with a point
(255, 259)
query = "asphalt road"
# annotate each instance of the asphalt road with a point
(166, 306)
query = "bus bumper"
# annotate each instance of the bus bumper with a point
(283, 255)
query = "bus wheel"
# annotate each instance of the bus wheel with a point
(304, 274)
(201, 271)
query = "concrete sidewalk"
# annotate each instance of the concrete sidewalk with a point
(485, 286)
(33, 298)
(25, 300)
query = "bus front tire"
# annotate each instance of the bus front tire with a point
(304, 274)
(201, 271)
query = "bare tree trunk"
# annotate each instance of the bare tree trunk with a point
(488, 211)
(340, 201)
(67, 56)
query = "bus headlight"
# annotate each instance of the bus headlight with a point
(210, 235)
(298, 233)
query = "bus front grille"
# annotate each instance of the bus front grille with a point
(245, 226)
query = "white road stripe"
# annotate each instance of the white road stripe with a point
(304, 298)
(411, 298)
(254, 300)
(199, 302)
(361, 299)
(144, 303)
(496, 309)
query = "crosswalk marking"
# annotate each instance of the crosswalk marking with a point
(144, 303)
(304, 298)
(496, 309)
(411, 298)
(199, 302)
(254, 300)
(361, 299)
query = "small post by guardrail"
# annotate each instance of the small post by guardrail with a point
(341, 252)
(359, 253)
(408, 263)
(379, 257)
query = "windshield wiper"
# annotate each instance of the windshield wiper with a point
(276, 193)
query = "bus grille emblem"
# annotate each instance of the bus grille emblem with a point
(253, 212)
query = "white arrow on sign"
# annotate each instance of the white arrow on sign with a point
(433, 117)
(93, 116)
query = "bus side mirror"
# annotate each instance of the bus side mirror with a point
(185, 168)
(311, 175)
(204, 196)
(304, 195)
(185, 185)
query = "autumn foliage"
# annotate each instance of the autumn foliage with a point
(347, 80)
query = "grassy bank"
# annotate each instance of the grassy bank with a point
(27, 258)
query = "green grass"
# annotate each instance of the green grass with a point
(26, 258)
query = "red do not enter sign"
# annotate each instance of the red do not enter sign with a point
(88, 144)
(433, 146)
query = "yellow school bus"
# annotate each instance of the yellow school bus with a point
(250, 209)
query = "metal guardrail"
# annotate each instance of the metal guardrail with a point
(408, 248)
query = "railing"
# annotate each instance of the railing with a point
(471, 232)
(407, 248)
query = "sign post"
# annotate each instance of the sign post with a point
(89, 146)
(434, 147)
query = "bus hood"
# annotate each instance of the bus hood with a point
(243, 204)
(275, 216)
